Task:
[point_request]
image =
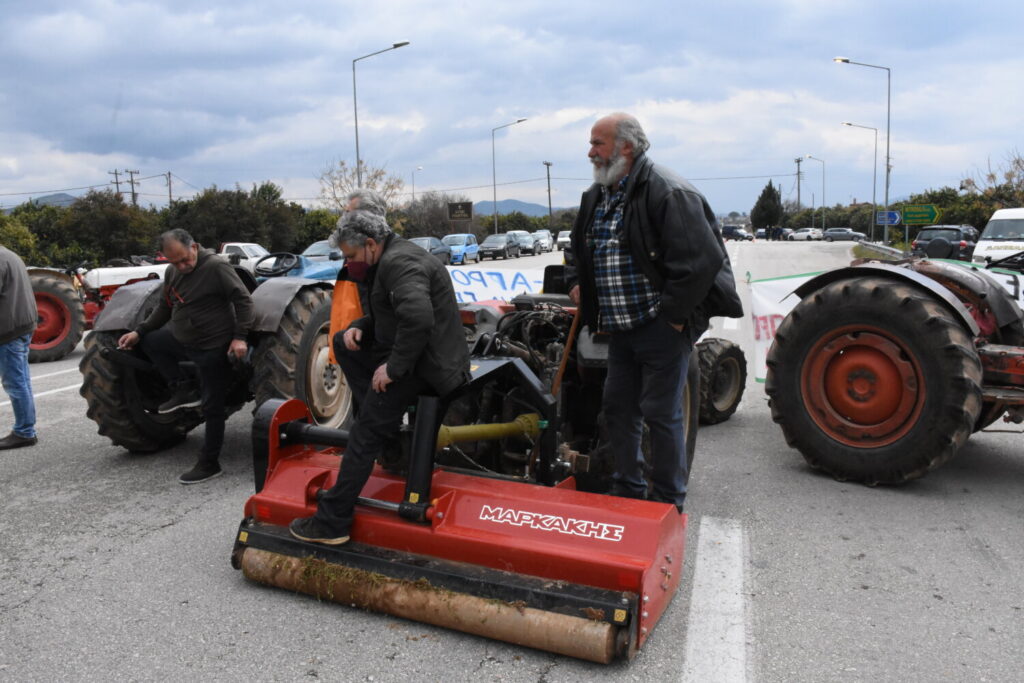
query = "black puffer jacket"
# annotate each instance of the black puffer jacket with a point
(673, 237)
(413, 317)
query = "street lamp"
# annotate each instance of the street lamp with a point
(888, 124)
(355, 107)
(808, 156)
(494, 174)
(551, 220)
(874, 176)
(418, 168)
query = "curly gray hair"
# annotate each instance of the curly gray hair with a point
(628, 129)
(355, 227)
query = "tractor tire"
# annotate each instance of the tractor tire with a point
(874, 381)
(723, 377)
(294, 362)
(61, 319)
(123, 401)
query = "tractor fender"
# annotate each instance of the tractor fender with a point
(129, 306)
(897, 273)
(272, 297)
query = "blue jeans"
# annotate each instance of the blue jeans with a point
(646, 376)
(18, 384)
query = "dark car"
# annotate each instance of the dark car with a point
(501, 244)
(945, 241)
(435, 246)
(735, 232)
(841, 234)
(528, 244)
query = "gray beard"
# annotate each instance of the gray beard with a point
(612, 172)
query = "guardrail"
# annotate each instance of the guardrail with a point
(884, 250)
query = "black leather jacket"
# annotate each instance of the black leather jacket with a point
(673, 237)
(413, 318)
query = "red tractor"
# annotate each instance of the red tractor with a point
(69, 300)
(884, 369)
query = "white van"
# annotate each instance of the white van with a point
(1002, 237)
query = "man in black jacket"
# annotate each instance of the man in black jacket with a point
(411, 342)
(645, 256)
(210, 313)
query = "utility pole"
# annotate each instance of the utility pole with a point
(551, 220)
(798, 160)
(135, 196)
(170, 198)
(117, 180)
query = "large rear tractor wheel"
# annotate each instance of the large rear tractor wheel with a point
(294, 362)
(874, 381)
(61, 318)
(723, 377)
(123, 400)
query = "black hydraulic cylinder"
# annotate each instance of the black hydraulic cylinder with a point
(303, 432)
(421, 459)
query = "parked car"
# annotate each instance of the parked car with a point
(563, 239)
(463, 246)
(945, 241)
(841, 234)
(545, 242)
(435, 246)
(527, 244)
(805, 234)
(760, 233)
(735, 232)
(244, 254)
(503, 244)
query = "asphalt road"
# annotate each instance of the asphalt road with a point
(111, 570)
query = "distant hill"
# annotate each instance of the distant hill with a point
(59, 199)
(507, 206)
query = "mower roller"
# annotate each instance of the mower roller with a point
(576, 573)
(493, 523)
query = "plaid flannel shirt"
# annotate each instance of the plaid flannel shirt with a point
(625, 297)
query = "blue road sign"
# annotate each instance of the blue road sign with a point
(887, 218)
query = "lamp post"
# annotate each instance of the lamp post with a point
(888, 124)
(808, 156)
(418, 168)
(494, 173)
(355, 106)
(551, 220)
(874, 176)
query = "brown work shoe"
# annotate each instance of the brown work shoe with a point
(13, 440)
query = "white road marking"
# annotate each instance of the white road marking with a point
(47, 393)
(54, 374)
(716, 636)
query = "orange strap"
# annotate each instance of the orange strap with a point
(345, 307)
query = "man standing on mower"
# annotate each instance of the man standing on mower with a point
(18, 318)
(644, 255)
(210, 313)
(409, 343)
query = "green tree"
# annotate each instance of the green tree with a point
(19, 239)
(768, 209)
(317, 224)
(100, 226)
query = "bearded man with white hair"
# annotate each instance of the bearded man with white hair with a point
(647, 266)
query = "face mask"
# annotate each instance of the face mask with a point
(357, 270)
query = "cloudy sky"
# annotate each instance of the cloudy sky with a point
(730, 92)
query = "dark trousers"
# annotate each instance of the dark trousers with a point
(378, 419)
(214, 378)
(646, 376)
